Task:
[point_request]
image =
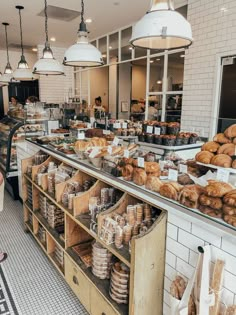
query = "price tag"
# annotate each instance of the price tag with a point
(162, 164)
(118, 125)
(124, 125)
(106, 132)
(183, 168)
(94, 152)
(173, 175)
(126, 154)
(109, 149)
(149, 129)
(157, 131)
(222, 175)
(81, 136)
(116, 141)
(140, 162)
(89, 125)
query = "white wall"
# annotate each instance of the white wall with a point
(214, 34)
(99, 84)
(124, 88)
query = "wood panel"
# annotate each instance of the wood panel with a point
(99, 305)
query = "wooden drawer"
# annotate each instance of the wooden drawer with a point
(78, 282)
(99, 306)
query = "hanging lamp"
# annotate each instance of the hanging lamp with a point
(7, 75)
(47, 65)
(23, 72)
(83, 54)
(162, 28)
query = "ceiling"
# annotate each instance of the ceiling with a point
(107, 16)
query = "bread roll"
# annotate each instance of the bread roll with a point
(139, 176)
(189, 195)
(153, 183)
(152, 167)
(222, 160)
(127, 172)
(210, 146)
(211, 212)
(213, 202)
(170, 190)
(230, 198)
(82, 145)
(230, 219)
(228, 149)
(204, 157)
(221, 138)
(228, 210)
(230, 132)
(217, 189)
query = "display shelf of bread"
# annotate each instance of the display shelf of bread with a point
(220, 152)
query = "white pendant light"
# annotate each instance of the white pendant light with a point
(162, 28)
(83, 54)
(7, 75)
(22, 73)
(47, 65)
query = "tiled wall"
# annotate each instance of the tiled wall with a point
(55, 89)
(214, 33)
(183, 239)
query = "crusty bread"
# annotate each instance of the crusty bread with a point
(204, 157)
(210, 146)
(222, 160)
(217, 189)
(189, 195)
(213, 202)
(230, 132)
(228, 149)
(221, 138)
(139, 176)
(211, 212)
(153, 183)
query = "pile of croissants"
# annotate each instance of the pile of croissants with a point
(221, 150)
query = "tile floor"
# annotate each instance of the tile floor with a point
(37, 287)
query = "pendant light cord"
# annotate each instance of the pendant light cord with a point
(82, 11)
(46, 20)
(7, 43)
(21, 34)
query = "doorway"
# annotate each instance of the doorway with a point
(23, 90)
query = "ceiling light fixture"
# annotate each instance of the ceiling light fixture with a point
(7, 75)
(88, 21)
(162, 28)
(159, 82)
(52, 39)
(83, 54)
(22, 73)
(34, 49)
(47, 65)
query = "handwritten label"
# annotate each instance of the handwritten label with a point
(89, 125)
(116, 141)
(109, 149)
(157, 131)
(126, 154)
(81, 136)
(183, 168)
(222, 175)
(118, 125)
(106, 132)
(124, 125)
(140, 162)
(149, 129)
(173, 175)
(94, 152)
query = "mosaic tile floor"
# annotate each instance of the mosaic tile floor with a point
(36, 286)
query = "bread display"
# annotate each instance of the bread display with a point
(210, 146)
(217, 189)
(212, 202)
(228, 148)
(222, 160)
(189, 196)
(230, 198)
(211, 212)
(204, 157)
(153, 183)
(170, 190)
(139, 176)
(230, 132)
(127, 172)
(221, 138)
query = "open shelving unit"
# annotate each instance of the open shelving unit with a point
(146, 259)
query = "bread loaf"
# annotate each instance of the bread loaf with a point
(228, 210)
(217, 189)
(228, 149)
(153, 183)
(211, 212)
(189, 196)
(222, 160)
(213, 202)
(81, 145)
(210, 146)
(127, 172)
(139, 176)
(184, 179)
(230, 198)
(230, 219)
(170, 190)
(230, 132)
(221, 138)
(152, 168)
(204, 157)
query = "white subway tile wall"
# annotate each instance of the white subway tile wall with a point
(182, 253)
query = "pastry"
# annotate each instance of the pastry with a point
(127, 172)
(184, 179)
(152, 167)
(210, 146)
(153, 183)
(81, 145)
(211, 212)
(139, 176)
(228, 210)
(204, 157)
(213, 202)
(170, 190)
(228, 148)
(217, 189)
(189, 195)
(222, 160)
(230, 219)
(230, 132)
(230, 198)
(178, 287)
(221, 138)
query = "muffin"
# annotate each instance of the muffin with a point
(193, 138)
(158, 139)
(182, 138)
(169, 140)
(173, 128)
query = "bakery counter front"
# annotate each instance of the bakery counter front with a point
(177, 220)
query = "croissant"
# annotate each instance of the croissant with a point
(169, 190)
(210, 146)
(222, 160)
(189, 196)
(229, 210)
(228, 148)
(213, 202)
(139, 176)
(127, 172)
(230, 198)
(230, 132)
(152, 167)
(153, 183)
(204, 157)
(217, 189)
(230, 219)
(211, 212)
(221, 138)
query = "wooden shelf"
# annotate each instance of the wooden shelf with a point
(28, 206)
(56, 264)
(29, 226)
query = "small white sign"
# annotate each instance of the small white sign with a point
(126, 154)
(106, 132)
(157, 131)
(94, 152)
(118, 125)
(89, 125)
(124, 125)
(140, 162)
(149, 129)
(183, 168)
(109, 149)
(222, 175)
(173, 175)
(81, 136)
(116, 141)
(162, 164)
